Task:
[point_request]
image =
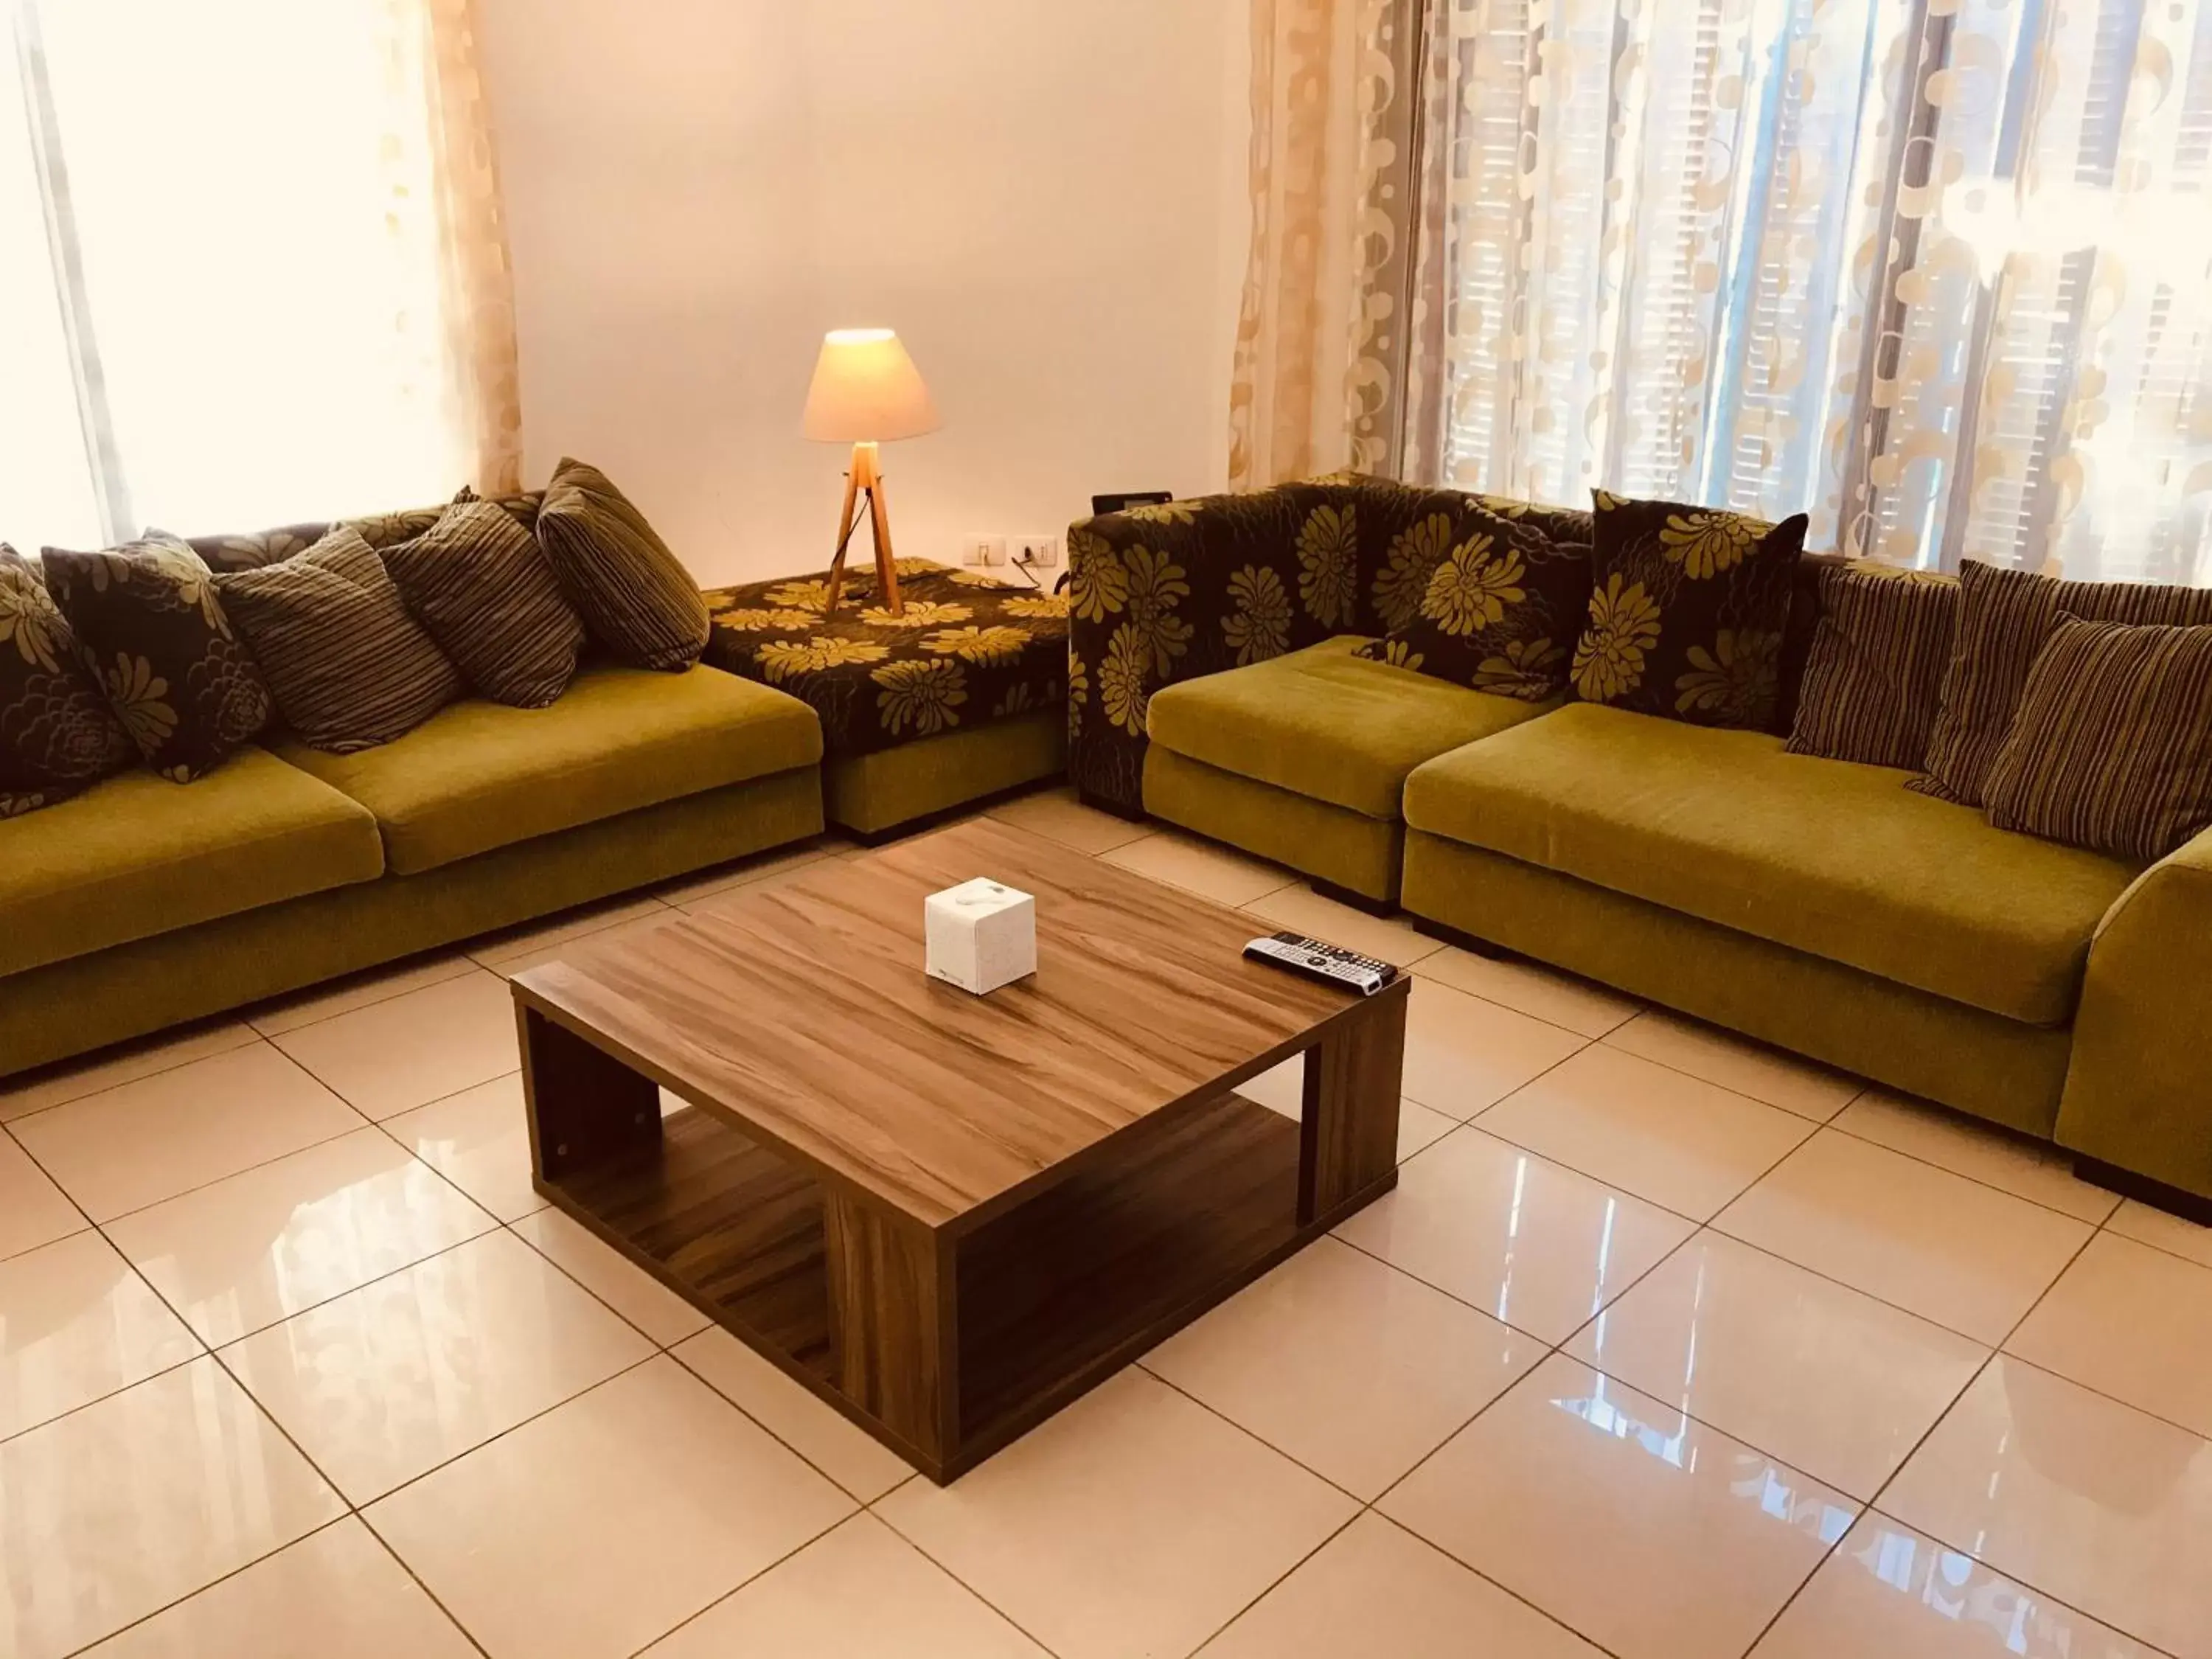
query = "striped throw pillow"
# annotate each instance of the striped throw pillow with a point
(481, 585)
(349, 666)
(2112, 746)
(636, 596)
(2004, 617)
(1875, 674)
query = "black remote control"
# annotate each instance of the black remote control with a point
(1332, 965)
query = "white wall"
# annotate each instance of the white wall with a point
(1044, 197)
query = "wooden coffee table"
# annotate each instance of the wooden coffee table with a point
(950, 1215)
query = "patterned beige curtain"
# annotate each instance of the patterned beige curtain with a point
(441, 132)
(1933, 270)
(1318, 383)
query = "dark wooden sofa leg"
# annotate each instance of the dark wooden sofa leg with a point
(1360, 901)
(2144, 1190)
(1468, 942)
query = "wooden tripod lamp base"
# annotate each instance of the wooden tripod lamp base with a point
(866, 479)
(867, 392)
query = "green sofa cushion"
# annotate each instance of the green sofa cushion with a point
(137, 855)
(1836, 859)
(1326, 725)
(479, 775)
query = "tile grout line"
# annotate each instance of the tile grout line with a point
(1873, 1504)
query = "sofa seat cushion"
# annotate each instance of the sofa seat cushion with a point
(1836, 859)
(1327, 725)
(137, 855)
(479, 775)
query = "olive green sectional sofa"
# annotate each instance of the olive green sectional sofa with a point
(140, 903)
(1814, 904)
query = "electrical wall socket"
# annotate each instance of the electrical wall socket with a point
(1036, 550)
(983, 549)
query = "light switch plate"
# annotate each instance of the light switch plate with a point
(1036, 550)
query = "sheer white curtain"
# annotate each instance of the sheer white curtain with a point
(246, 266)
(1938, 272)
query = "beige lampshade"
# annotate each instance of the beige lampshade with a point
(866, 390)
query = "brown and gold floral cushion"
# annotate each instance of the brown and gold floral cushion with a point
(1687, 612)
(1483, 600)
(252, 549)
(150, 627)
(57, 735)
(969, 650)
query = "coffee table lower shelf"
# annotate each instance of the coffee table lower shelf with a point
(1049, 1300)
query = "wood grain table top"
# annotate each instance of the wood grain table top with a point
(802, 1013)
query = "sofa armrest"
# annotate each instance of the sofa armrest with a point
(1158, 595)
(2139, 1086)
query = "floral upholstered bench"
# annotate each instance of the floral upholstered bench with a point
(963, 697)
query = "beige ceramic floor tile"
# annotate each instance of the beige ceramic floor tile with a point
(1653, 1535)
(75, 1325)
(1832, 1381)
(355, 991)
(849, 1456)
(416, 1049)
(595, 1529)
(117, 1511)
(861, 1592)
(511, 953)
(1678, 1141)
(1201, 867)
(32, 1210)
(1419, 1129)
(1057, 814)
(1947, 1249)
(1195, 1517)
(1281, 1089)
(1890, 1593)
(1348, 1365)
(1529, 988)
(705, 885)
(260, 1247)
(126, 1063)
(1301, 910)
(1376, 1589)
(2098, 1506)
(478, 1139)
(2033, 1169)
(2131, 1322)
(1463, 1054)
(335, 1594)
(134, 1145)
(394, 1378)
(1750, 1068)
(1530, 1244)
(2169, 1233)
(643, 1300)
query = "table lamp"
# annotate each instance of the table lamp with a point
(867, 391)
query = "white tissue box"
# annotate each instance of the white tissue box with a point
(981, 935)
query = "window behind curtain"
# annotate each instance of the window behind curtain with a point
(1939, 274)
(253, 192)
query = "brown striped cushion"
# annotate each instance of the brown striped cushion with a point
(350, 667)
(2004, 617)
(636, 596)
(1873, 681)
(2112, 746)
(479, 582)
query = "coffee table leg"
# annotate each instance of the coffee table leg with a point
(584, 1105)
(1348, 1130)
(891, 1323)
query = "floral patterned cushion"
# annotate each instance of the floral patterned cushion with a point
(148, 623)
(1688, 613)
(57, 735)
(1484, 601)
(969, 650)
(252, 550)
